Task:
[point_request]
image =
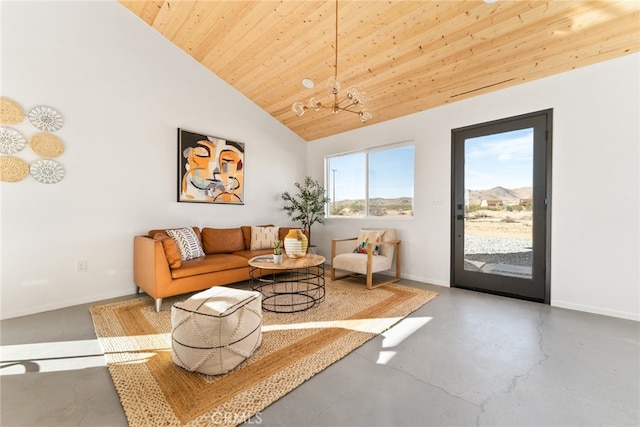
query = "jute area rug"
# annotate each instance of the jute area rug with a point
(295, 347)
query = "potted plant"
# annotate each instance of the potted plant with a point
(277, 252)
(307, 206)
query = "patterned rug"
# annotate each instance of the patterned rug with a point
(295, 347)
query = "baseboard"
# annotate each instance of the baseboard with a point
(428, 280)
(9, 314)
(596, 310)
(391, 273)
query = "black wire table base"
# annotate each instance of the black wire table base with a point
(289, 291)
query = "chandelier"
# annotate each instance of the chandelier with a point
(353, 103)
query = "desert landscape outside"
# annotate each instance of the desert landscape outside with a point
(498, 230)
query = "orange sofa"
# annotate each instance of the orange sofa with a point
(159, 271)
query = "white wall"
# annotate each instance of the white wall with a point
(595, 245)
(123, 91)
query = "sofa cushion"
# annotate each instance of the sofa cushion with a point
(187, 243)
(209, 264)
(222, 240)
(171, 250)
(263, 237)
(250, 254)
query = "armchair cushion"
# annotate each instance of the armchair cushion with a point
(357, 263)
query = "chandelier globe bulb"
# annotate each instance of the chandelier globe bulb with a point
(315, 104)
(298, 108)
(365, 115)
(333, 85)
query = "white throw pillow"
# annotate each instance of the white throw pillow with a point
(263, 237)
(187, 242)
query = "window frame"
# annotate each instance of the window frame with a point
(367, 152)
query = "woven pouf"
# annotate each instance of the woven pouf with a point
(215, 330)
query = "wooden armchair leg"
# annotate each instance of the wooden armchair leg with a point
(335, 276)
(386, 282)
(396, 278)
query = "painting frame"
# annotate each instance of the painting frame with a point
(210, 169)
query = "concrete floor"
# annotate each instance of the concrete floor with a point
(463, 359)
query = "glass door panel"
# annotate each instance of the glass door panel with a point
(498, 177)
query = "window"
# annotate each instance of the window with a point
(376, 182)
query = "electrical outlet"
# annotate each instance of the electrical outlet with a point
(81, 266)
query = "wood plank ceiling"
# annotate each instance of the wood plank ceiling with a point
(408, 56)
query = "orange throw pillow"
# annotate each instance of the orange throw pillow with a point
(171, 250)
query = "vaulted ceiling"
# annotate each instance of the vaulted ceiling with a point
(408, 56)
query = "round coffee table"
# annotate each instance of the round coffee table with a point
(295, 285)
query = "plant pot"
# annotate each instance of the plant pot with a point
(295, 244)
(277, 259)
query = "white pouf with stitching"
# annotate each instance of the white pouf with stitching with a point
(216, 330)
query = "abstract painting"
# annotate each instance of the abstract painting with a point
(210, 169)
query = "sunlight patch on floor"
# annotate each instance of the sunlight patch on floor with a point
(50, 357)
(396, 335)
(374, 325)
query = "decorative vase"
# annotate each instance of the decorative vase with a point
(277, 258)
(295, 244)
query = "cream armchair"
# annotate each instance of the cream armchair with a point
(344, 258)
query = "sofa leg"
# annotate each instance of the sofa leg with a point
(138, 290)
(158, 304)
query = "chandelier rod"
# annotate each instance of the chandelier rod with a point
(335, 64)
(336, 50)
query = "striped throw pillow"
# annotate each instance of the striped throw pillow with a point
(187, 242)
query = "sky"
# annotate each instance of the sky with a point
(391, 176)
(504, 160)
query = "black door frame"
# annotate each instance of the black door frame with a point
(542, 203)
